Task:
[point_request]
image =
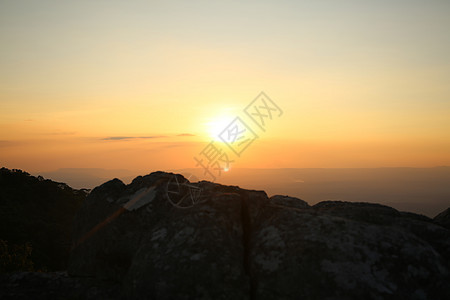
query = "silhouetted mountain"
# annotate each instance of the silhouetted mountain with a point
(37, 213)
(443, 218)
(162, 237)
(88, 177)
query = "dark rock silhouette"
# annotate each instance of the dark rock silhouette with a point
(55, 285)
(38, 213)
(443, 218)
(162, 237)
(235, 243)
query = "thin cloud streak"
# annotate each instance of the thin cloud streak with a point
(124, 138)
(121, 138)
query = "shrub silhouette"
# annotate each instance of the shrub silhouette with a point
(15, 257)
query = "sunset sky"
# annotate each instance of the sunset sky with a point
(140, 85)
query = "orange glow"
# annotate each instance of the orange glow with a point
(146, 87)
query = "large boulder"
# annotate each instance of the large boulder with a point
(342, 250)
(149, 237)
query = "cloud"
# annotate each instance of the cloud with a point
(164, 145)
(180, 144)
(121, 138)
(14, 143)
(299, 181)
(6, 143)
(124, 138)
(62, 133)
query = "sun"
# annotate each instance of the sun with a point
(217, 125)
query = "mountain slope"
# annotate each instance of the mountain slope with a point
(38, 212)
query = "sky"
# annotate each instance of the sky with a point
(143, 85)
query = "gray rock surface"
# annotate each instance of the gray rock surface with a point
(159, 249)
(162, 237)
(341, 250)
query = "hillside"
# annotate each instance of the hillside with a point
(37, 214)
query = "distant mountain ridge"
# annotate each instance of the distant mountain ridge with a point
(87, 177)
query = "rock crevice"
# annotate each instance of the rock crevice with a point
(246, 244)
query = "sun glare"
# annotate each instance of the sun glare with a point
(217, 126)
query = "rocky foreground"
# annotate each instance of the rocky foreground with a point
(162, 237)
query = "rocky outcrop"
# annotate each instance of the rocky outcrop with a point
(162, 237)
(338, 250)
(162, 250)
